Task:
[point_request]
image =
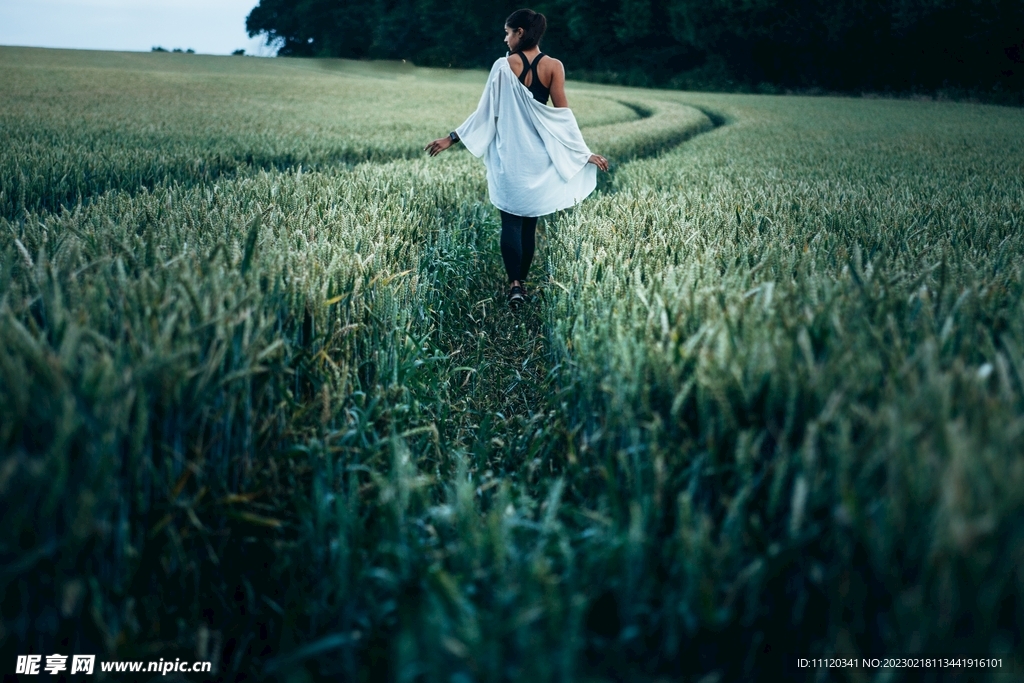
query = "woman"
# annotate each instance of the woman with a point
(537, 162)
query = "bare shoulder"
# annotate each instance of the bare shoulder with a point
(515, 63)
(551, 71)
(553, 65)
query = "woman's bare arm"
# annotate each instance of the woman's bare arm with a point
(557, 87)
(558, 99)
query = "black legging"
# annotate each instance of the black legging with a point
(518, 241)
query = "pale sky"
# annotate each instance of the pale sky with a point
(207, 26)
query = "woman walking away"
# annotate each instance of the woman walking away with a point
(537, 162)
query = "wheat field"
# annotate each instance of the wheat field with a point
(263, 402)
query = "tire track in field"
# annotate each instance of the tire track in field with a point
(509, 401)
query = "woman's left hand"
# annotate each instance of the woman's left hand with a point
(439, 145)
(599, 161)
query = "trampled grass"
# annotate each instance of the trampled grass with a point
(769, 391)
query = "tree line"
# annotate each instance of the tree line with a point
(846, 45)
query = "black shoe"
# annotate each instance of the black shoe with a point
(516, 296)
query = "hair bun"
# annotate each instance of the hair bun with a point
(533, 24)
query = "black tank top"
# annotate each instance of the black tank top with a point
(540, 93)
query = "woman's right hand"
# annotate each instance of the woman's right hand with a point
(599, 161)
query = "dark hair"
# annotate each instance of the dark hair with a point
(532, 23)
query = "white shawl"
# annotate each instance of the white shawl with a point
(535, 155)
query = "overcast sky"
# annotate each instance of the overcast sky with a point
(207, 26)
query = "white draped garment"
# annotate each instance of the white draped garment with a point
(535, 155)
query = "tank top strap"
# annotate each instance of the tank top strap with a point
(526, 66)
(536, 88)
(533, 66)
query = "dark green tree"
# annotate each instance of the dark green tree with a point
(835, 44)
